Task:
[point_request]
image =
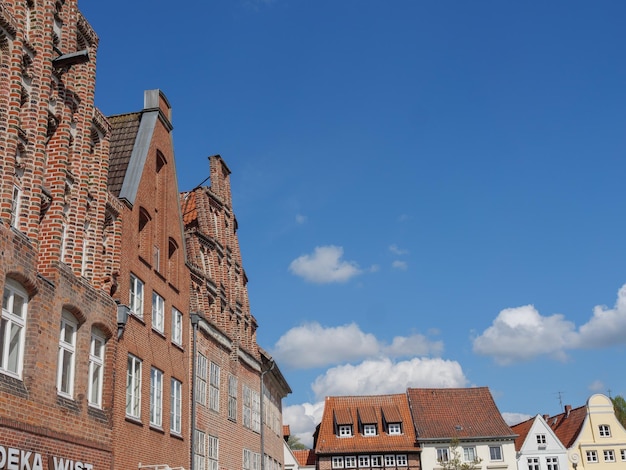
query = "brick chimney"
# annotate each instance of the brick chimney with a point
(568, 408)
(546, 417)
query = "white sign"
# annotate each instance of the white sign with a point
(12, 458)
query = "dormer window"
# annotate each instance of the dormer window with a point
(605, 430)
(369, 429)
(345, 430)
(394, 429)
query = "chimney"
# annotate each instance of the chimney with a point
(545, 418)
(568, 408)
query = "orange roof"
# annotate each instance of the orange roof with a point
(188, 202)
(522, 429)
(567, 425)
(443, 413)
(305, 457)
(286, 430)
(347, 410)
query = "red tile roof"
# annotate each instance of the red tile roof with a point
(286, 430)
(305, 457)
(522, 429)
(443, 413)
(567, 425)
(346, 410)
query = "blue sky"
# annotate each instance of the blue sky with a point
(429, 193)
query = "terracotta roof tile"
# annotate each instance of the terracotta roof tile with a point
(124, 131)
(286, 430)
(456, 412)
(188, 203)
(522, 429)
(328, 442)
(567, 426)
(343, 416)
(367, 415)
(391, 413)
(305, 457)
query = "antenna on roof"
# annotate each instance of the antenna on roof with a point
(560, 395)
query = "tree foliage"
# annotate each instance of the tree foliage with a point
(294, 443)
(619, 405)
(456, 461)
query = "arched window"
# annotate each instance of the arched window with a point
(145, 234)
(67, 354)
(12, 327)
(96, 367)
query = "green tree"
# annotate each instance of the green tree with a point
(456, 460)
(294, 443)
(619, 405)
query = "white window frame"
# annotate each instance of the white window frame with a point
(201, 371)
(609, 455)
(177, 327)
(176, 409)
(345, 430)
(376, 461)
(199, 450)
(390, 460)
(469, 454)
(552, 463)
(337, 461)
(364, 461)
(96, 368)
(66, 355)
(592, 456)
(532, 463)
(350, 461)
(158, 312)
(214, 386)
(135, 300)
(133, 387)
(622, 453)
(402, 460)
(251, 460)
(394, 429)
(13, 327)
(443, 454)
(213, 445)
(369, 429)
(541, 439)
(604, 430)
(498, 451)
(156, 397)
(232, 397)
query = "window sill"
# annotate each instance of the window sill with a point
(157, 428)
(176, 435)
(133, 420)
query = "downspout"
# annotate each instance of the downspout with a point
(195, 319)
(263, 415)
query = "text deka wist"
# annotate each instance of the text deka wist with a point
(12, 458)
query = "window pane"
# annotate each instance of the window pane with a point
(14, 348)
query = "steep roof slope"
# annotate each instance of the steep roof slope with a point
(359, 410)
(443, 413)
(123, 135)
(522, 429)
(567, 425)
(305, 457)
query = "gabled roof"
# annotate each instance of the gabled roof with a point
(522, 429)
(124, 128)
(286, 430)
(305, 457)
(347, 410)
(567, 425)
(444, 413)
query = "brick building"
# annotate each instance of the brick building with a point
(58, 320)
(238, 386)
(153, 281)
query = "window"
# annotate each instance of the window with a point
(377, 460)
(442, 454)
(201, 379)
(345, 430)
(214, 387)
(251, 409)
(176, 389)
(12, 325)
(605, 430)
(177, 327)
(402, 461)
(350, 461)
(156, 397)
(469, 454)
(96, 367)
(67, 353)
(394, 428)
(390, 460)
(364, 461)
(158, 308)
(136, 296)
(541, 439)
(251, 460)
(369, 430)
(609, 455)
(553, 463)
(337, 462)
(232, 397)
(592, 456)
(495, 453)
(16, 201)
(622, 453)
(200, 450)
(133, 387)
(213, 453)
(533, 463)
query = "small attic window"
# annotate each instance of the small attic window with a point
(369, 429)
(345, 430)
(394, 429)
(458, 428)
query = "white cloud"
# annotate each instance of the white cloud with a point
(335, 345)
(402, 265)
(515, 418)
(301, 219)
(596, 386)
(519, 334)
(382, 376)
(302, 420)
(397, 251)
(324, 266)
